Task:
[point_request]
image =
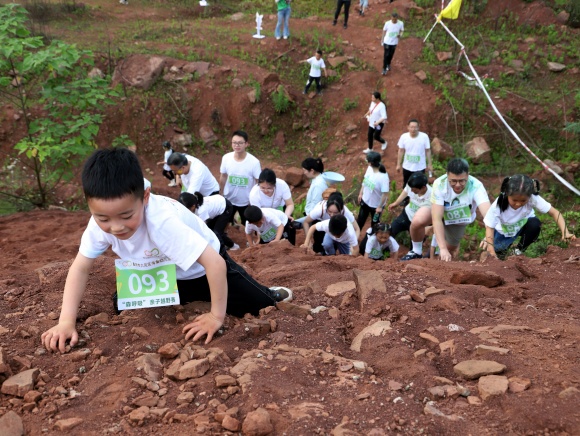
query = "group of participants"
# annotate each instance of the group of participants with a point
(191, 233)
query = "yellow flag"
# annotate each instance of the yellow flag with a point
(452, 10)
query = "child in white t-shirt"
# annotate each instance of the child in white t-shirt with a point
(511, 216)
(167, 173)
(316, 65)
(378, 242)
(340, 236)
(147, 229)
(272, 192)
(264, 225)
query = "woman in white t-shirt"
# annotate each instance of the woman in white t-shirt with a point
(272, 193)
(215, 210)
(374, 190)
(376, 116)
(511, 216)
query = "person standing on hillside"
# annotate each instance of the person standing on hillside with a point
(283, 18)
(392, 30)
(414, 152)
(339, 5)
(376, 116)
(239, 173)
(316, 65)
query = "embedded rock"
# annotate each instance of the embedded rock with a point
(21, 383)
(472, 369)
(492, 385)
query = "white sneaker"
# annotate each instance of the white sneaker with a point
(285, 37)
(235, 247)
(172, 183)
(367, 150)
(277, 38)
(384, 146)
(517, 252)
(281, 293)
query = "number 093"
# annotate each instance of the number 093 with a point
(138, 283)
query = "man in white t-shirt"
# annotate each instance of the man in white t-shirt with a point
(392, 30)
(239, 172)
(316, 65)
(414, 152)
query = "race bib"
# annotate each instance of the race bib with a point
(376, 254)
(238, 181)
(369, 183)
(280, 208)
(511, 230)
(459, 214)
(412, 159)
(413, 207)
(269, 235)
(146, 284)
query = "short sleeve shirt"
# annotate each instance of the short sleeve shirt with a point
(376, 250)
(319, 213)
(212, 206)
(458, 208)
(414, 159)
(272, 220)
(348, 237)
(241, 179)
(378, 111)
(314, 195)
(510, 221)
(417, 201)
(168, 230)
(165, 157)
(276, 201)
(374, 185)
(315, 66)
(392, 32)
(199, 178)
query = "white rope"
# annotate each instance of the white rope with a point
(498, 113)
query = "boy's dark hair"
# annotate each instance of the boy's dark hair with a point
(418, 180)
(337, 225)
(267, 175)
(177, 159)
(319, 52)
(112, 173)
(241, 133)
(315, 164)
(166, 144)
(253, 214)
(189, 200)
(374, 159)
(457, 166)
(413, 120)
(518, 184)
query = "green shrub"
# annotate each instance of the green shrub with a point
(280, 100)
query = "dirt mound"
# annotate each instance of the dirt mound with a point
(296, 370)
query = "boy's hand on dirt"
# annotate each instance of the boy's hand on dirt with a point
(569, 237)
(445, 255)
(206, 324)
(55, 338)
(483, 245)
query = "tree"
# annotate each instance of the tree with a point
(60, 104)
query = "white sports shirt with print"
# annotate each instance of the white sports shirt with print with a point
(316, 66)
(242, 177)
(510, 221)
(414, 159)
(374, 185)
(458, 208)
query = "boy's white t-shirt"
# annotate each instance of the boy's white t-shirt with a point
(414, 159)
(392, 32)
(168, 229)
(457, 206)
(417, 201)
(348, 237)
(212, 206)
(378, 111)
(276, 201)
(374, 185)
(242, 177)
(165, 157)
(199, 178)
(315, 66)
(317, 186)
(376, 250)
(320, 213)
(272, 220)
(510, 221)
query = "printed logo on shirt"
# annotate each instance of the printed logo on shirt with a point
(152, 253)
(412, 158)
(511, 230)
(269, 235)
(376, 254)
(238, 181)
(369, 183)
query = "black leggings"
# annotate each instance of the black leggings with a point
(364, 212)
(375, 135)
(339, 4)
(400, 224)
(245, 295)
(528, 234)
(240, 210)
(388, 55)
(168, 175)
(310, 80)
(219, 224)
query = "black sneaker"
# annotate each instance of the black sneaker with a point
(385, 72)
(345, 26)
(334, 23)
(388, 68)
(115, 299)
(411, 255)
(279, 293)
(297, 224)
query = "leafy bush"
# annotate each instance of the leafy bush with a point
(349, 104)
(280, 100)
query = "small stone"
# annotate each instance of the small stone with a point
(419, 353)
(379, 328)
(193, 369)
(336, 289)
(147, 399)
(140, 331)
(416, 296)
(230, 423)
(443, 56)
(21, 383)
(32, 397)
(429, 337)
(168, 351)
(52, 315)
(421, 75)
(569, 392)
(518, 384)
(257, 423)
(473, 369)
(487, 349)
(431, 291)
(474, 401)
(99, 318)
(11, 424)
(492, 385)
(185, 398)
(222, 381)
(395, 386)
(448, 346)
(68, 424)
(556, 67)
(139, 414)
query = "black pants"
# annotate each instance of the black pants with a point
(310, 80)
(339, 4)
(245, 295)
(407, 174)
(363, 213)
(219, 224)
(374, 134)
(528, 235)
(289, 233)
(240, 210)
(400, 224)
(168, 175)
(388, 55)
